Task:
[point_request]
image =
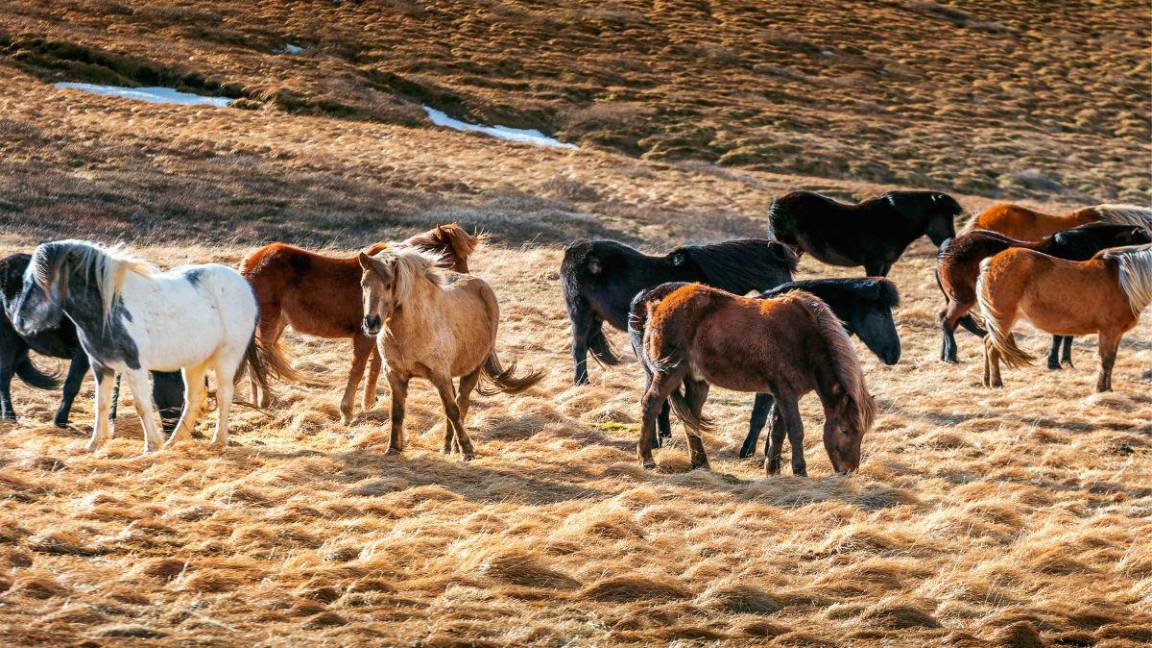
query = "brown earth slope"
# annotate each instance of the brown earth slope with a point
(983, 97)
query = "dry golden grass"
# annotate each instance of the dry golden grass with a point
(1018, 517)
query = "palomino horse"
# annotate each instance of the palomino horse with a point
(61, 342)
(132, 319)
(1103, 295)
(320, 295)
(788, 346)
(1024, 224)
(958, 265)
(435, 326)
(873, 233)
(600, 278)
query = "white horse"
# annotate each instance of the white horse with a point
(132, 319)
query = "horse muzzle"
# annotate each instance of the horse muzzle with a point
(372, 325)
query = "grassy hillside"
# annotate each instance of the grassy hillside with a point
(1019, 517)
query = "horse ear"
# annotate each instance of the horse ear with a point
(365, 261)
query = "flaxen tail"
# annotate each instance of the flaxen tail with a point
(505, 380)
(844, 363)
(1001, 340)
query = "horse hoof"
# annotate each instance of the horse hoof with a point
(394, 450)
(648, 465)
(468, 456)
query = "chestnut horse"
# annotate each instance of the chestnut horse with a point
(1103, 295)
(320, 295)
(435, 326)
(1022, 223)
(958, 265)
(698, 336)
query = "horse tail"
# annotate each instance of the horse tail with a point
(1126, 215)
(253, 361)
(844, 363)
(33, 376)
(276, 361)
(1001, 340)
(600, 347)
(684, 412)
(505, 380)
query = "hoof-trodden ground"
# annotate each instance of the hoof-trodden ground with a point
(1019, 517)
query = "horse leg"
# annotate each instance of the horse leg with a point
(776, 441)
(463, 399)
(101, 428)
(399, 387)
(755, 424)
(7, 365)
(115, 401)
(696, 393)
(142, 397)
(1066, 357)
(374, 363)
(582, 321)
(877, 268)
(664, 423)
(447, 390)
(225, 389)
(1054, 354)
(194, 394)
(1108, 343)
(949, 319)
(790, 416)
(660, 387)
(361, 349)
(76, 370)
(991, 365)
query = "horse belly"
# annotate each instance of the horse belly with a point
(1052, 314)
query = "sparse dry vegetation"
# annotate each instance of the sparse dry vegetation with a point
(1014, 517)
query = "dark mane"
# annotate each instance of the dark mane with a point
(882, 292)
(740, 265)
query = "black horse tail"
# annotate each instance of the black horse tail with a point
(505, 380)
(34, 376)
(600, 347)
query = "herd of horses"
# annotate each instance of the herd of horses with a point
(412, 310)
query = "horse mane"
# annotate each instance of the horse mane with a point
(410, 266)
(844, 362)
(740, 265)
(873, 289)
(451, 241)
(109, 265)
(1126, 215)
(1135, 264)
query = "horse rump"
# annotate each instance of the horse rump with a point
(505, 380)
(999, 339)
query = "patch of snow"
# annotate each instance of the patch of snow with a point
(151, 95)
(828, 53)
(289, 48)
(525, 135)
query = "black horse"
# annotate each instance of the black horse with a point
(959, 261)
(865, 307)
(873, 233)
(61, 342)
(600, 278)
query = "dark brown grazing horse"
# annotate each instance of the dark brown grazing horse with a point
(958, 265)
(698, 336)
(1024, 224)
(320, 295)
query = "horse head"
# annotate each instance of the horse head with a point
(39, 303)
(872, 320)
(1084, 241)
(387, 282)
(941, 212)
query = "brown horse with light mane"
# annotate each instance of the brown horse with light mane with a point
(320, 295)
(1024, 224)
(694, 335)
(1103, 295)
(436, 326)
